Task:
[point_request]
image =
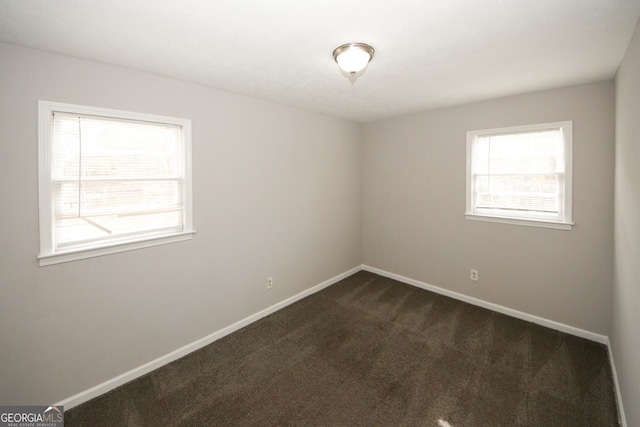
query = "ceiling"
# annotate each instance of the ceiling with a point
(429, 53)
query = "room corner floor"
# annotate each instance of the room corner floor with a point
(373, 351)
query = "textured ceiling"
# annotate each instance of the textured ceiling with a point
(429, 54)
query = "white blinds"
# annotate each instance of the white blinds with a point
(115, 178)
(520, 172)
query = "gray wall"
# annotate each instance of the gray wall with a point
(414, 201)
(625, 316)
(276, 193)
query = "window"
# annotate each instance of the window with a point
(111, 181)
(521, 175)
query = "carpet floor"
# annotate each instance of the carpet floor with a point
(371, 351)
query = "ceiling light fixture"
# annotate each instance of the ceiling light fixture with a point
(353, 57)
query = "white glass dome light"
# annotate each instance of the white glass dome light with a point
(353, 57)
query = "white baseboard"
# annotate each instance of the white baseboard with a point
(113, 383)
(602, 339)
(614, 374)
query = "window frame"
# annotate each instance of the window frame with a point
(48, 254)
(565, 221)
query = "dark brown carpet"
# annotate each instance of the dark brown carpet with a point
(370, 351)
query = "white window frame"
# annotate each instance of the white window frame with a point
(48, 253)
(564, 220)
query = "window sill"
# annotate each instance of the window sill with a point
(519, 221)
(77, 254)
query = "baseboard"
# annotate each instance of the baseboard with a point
(602, 339)
(616, 384)
(113, 383)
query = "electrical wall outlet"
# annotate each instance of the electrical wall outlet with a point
(474, 275)
(269, 282)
